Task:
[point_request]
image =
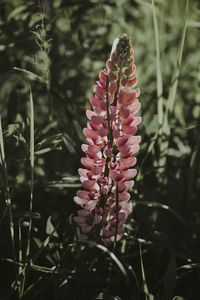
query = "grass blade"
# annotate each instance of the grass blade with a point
(172, 94)
(164, 207)
(7, 191)
(117, 262)
(158, 69)
(31, 171)
(148, 296)
(175, 77)
(31, 151)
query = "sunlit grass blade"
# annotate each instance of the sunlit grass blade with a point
(191, 266)
(30, 75)
(158, 69)
(34, 267)
(184, 270)
(175, 77)
(166, 129)
(62, 184)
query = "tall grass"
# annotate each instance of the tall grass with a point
(7, 197)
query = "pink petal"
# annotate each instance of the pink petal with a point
(79, 220)
(99, 91)
(94, 126)
(136, 121)
(128, 174)
(134, 149)
(89, 114)
(83, 213)
(134, 108)
(113, 174)
(124, 113)
(102, 75)
(94, 148)
(83, 194)
(116, 133)
(132, 140)
(127, 162)
(91, 205)
(87, 162)
(121, 141)
(91, 155)
(122, 215)
(80, 201)
(130, 96)
(86, 228)
(132, 81)
(89, 133)
(131, 70)
(124, 196)
(108, 63)
(97, 170)
(88, 184)
(124, 81)
(112, 87)
(82, 172)
(129, 129)
(129, 184)
(128, 121)
(124, 150)
(97, 219)
(103, 105)
(102, 132)
(126, 206)
(84, 147)
(112, 76)
(94, 101)
(96, 120)
(121, 186)
(108, 152)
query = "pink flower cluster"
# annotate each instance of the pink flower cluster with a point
(108, 168)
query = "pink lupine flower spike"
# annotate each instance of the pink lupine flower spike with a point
(108, 168)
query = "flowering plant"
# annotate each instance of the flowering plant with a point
(111, 146)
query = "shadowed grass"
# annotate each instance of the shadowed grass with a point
(148, 296)
(31, 151)
(7, 192)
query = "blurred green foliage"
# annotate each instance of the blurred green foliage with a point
(58, 47)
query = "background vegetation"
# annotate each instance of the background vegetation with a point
(51, 53)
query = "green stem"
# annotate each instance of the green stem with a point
(117, 213)
(7, 194)
(27, 261)
(6, 186)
